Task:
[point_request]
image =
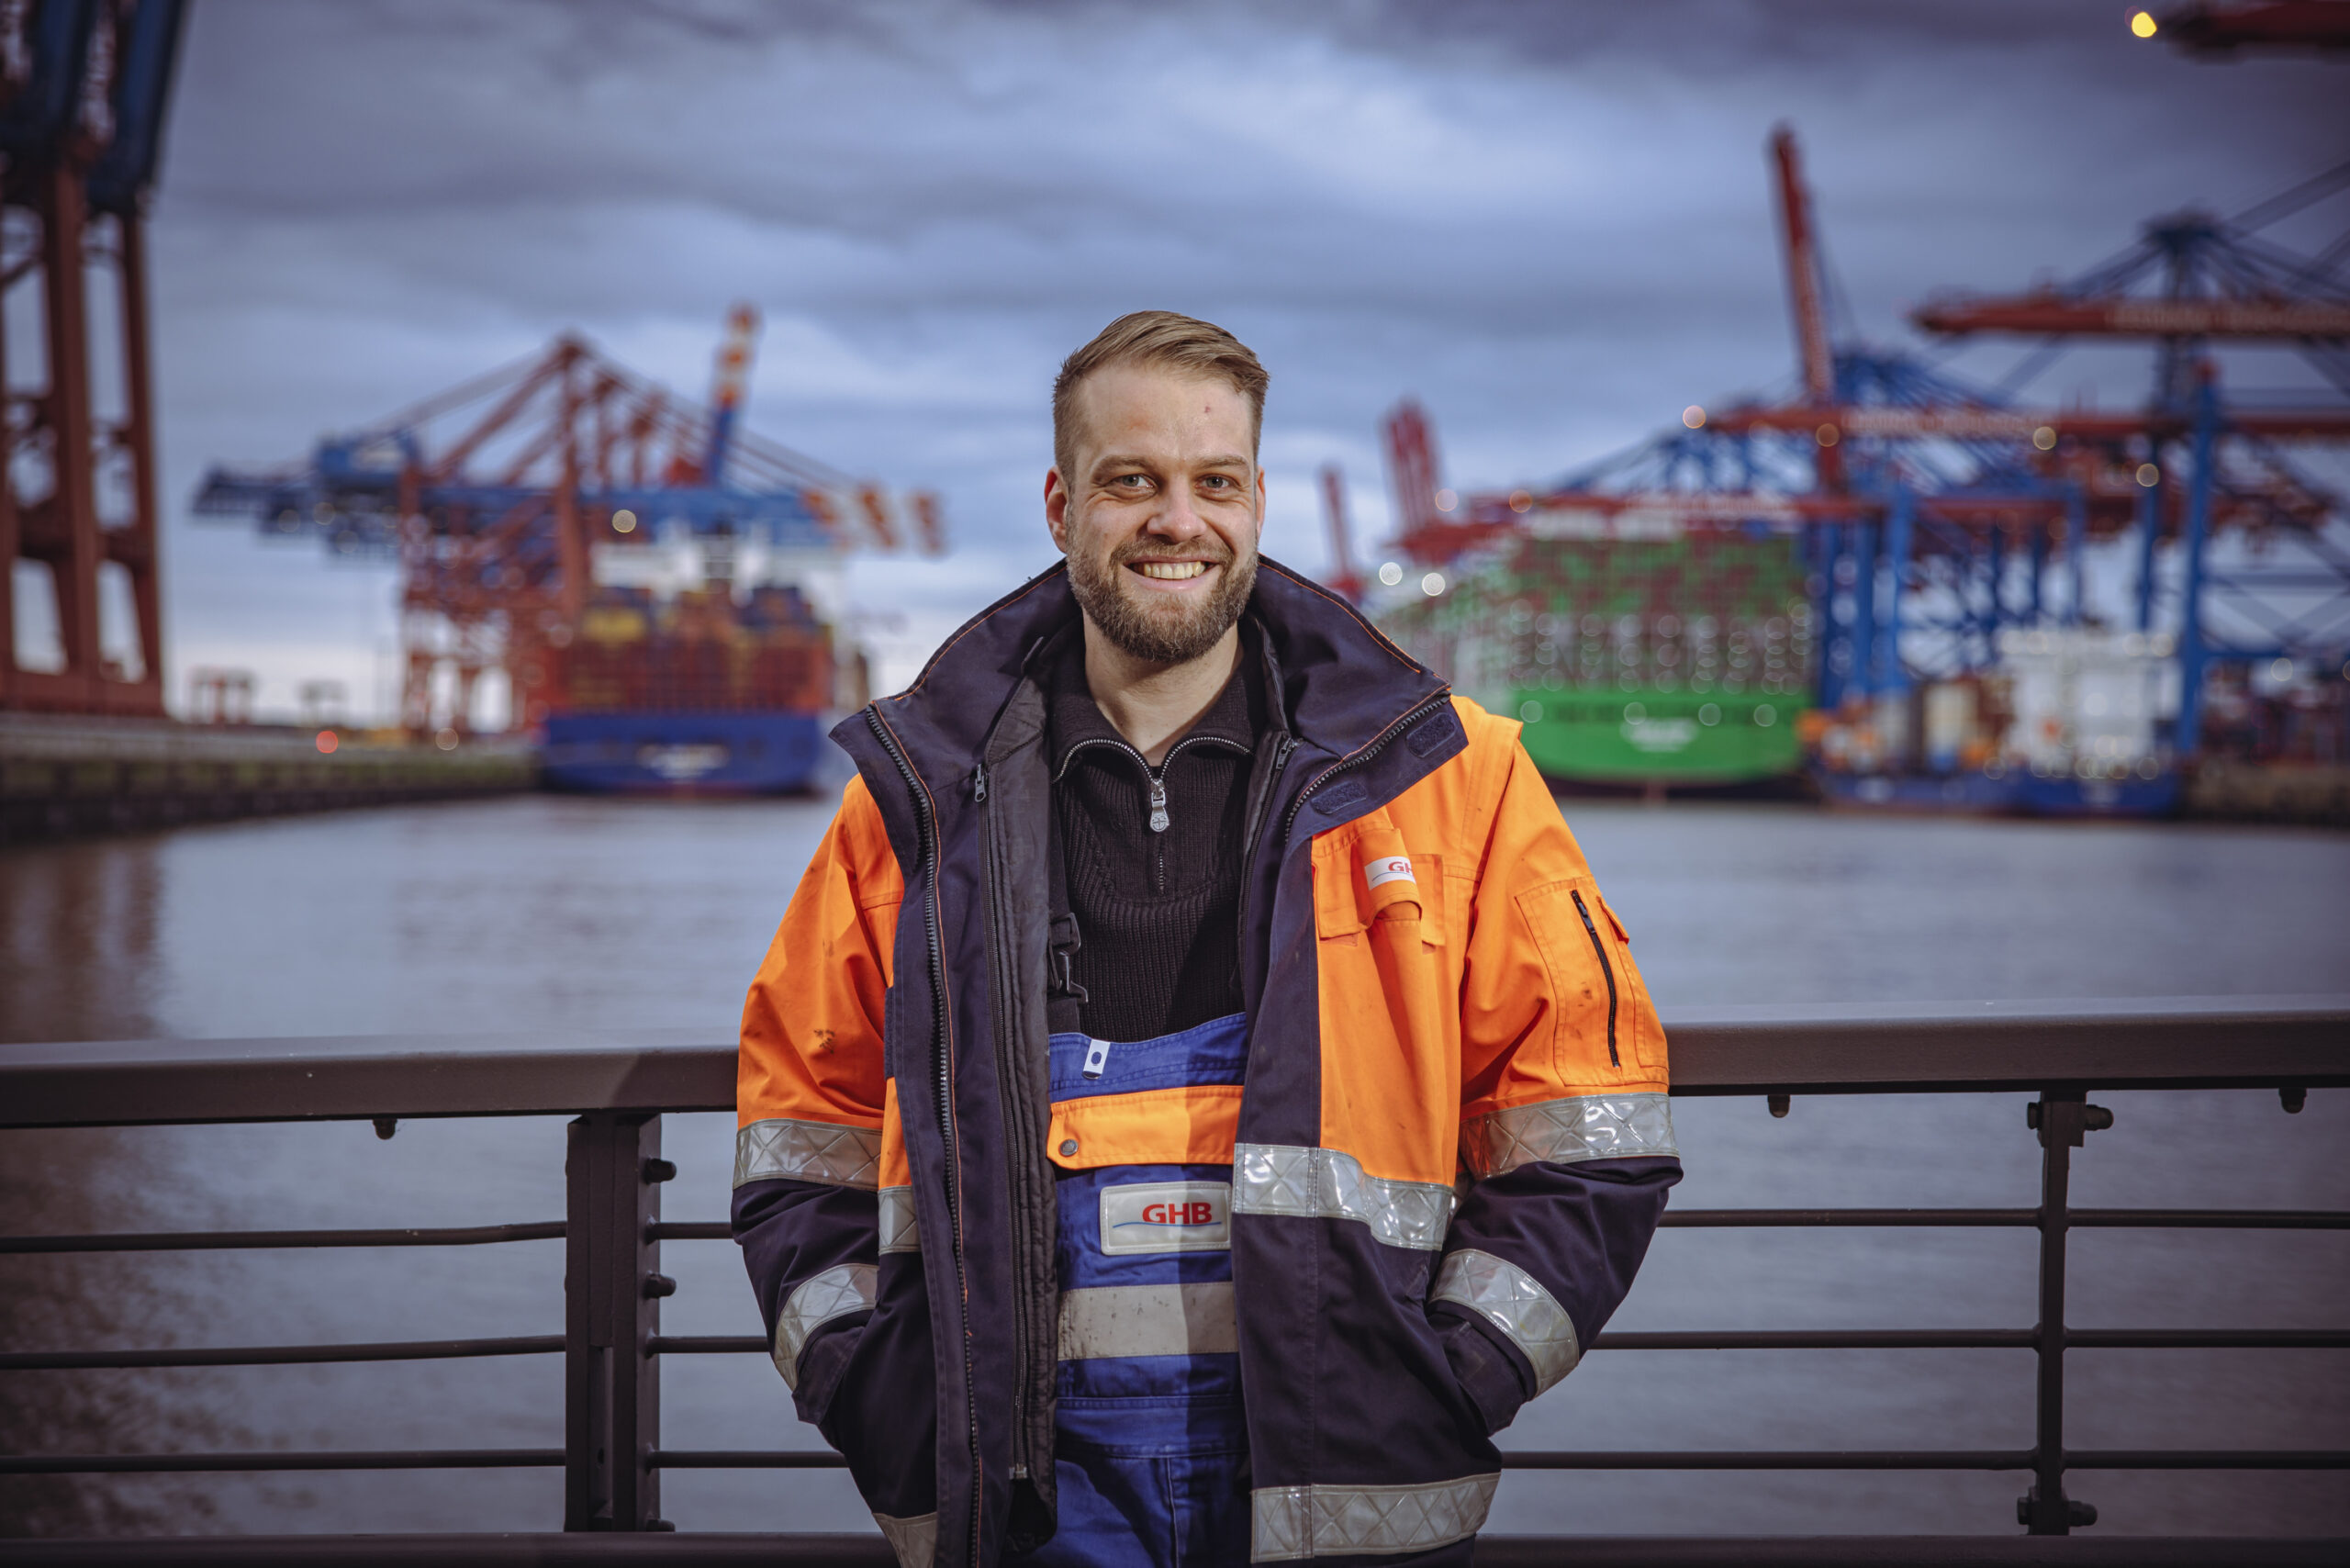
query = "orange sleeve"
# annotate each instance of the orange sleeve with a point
(1548, 988)
(812, 1024)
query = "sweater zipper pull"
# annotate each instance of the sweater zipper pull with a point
(979, 783)
(1157, 804)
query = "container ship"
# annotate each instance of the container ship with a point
(1679, 658)
(660, 593)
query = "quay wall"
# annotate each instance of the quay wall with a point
(66, 775)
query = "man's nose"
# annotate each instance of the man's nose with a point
(1178, 521)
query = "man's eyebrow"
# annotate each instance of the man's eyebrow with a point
(1114, 462)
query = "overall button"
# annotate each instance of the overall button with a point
(1069, 1147)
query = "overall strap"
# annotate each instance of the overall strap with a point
(1063, 995)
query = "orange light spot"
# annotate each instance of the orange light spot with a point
(326, 743)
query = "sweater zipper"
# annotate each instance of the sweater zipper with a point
(1160, 822)
(1380, 743)
(943, 1077)
(1599, 949)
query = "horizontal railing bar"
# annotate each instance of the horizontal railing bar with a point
(751, 1344)
(693, 1547)
(2109, 1219)
(279, 1355)
(348, 1459)
(745, 1459)
(1821, 1340)
(1693, 1459)
(1735, 1458)
(2207, 1338)
(720, 1230)
(2141, 1043)
(1793, 1340)
(591, 1548)
(233, 1241)
(2215, 1219)
(1710, 1218)
(2184, 1459)
(707, 1345)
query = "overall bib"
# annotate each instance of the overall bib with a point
(1150, 1449)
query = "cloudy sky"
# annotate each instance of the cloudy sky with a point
(1548, 220)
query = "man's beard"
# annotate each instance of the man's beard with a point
(1159, 635)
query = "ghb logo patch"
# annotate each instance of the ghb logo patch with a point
(1167, 1216)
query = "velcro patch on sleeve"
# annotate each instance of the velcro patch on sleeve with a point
(1388, 868)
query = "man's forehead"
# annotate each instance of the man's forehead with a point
(1119, 402)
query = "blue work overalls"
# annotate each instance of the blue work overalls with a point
(1150, 1448)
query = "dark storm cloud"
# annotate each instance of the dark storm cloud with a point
(1550, 221)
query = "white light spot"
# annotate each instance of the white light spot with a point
(1432, 584)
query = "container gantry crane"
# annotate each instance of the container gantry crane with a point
(83, 86)
(508, 499)
(1920, 500)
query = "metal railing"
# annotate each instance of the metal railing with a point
(618, 1090)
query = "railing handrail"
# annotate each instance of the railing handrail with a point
(2150, 1043)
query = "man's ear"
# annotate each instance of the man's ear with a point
(1057, 510)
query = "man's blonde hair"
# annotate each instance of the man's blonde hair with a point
(1159, 338)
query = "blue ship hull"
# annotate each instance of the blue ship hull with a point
(682, 753)
(2015, 793)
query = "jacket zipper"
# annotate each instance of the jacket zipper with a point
(943, 1078)
(1385, 738)
(1599, 950)
(1024, 1136)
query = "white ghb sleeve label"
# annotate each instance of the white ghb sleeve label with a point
(1388, 868)
(1167, 1216)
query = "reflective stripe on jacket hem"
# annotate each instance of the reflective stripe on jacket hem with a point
(1329, 1183)
(1582, 1126)
(1514, 1301)
(837, 1291)
(899, 1231)
(1190, 1319)
(1290, 1522)
(808, 1151)
(915, 1541)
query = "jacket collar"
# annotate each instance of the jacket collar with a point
(1341, 684)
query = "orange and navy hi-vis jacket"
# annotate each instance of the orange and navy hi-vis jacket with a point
(1449, 1151)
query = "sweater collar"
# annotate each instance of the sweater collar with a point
(1073, 718)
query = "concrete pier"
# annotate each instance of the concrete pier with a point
(62, 775)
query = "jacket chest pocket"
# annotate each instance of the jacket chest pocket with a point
(1389, 992)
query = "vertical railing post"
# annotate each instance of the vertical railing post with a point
(612, 1286)
(2061, 1119)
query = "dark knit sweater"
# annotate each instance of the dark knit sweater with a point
(1157, 913)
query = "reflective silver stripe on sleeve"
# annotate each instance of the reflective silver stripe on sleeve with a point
(1291, 1522)
(820, 1298)
(1582, 1126)
(899, 1231)
(808, 1151)
(1194, 1320)
(1283, 1179)
(1514, 1301)
(915, 1541)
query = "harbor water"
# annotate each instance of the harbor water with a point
(547, 913)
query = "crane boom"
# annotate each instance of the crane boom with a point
(726, 389)
(1804, 296)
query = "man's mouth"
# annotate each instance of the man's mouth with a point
(1170, 571)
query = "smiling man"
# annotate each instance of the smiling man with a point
(1197, 1093)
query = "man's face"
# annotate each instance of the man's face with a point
(1160, 514)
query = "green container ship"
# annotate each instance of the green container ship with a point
(1682, 656)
